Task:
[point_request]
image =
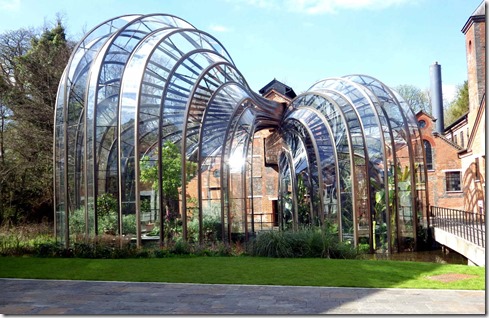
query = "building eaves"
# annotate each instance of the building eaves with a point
(479, 15)
(457, 121)
(448, 141)
(422, 112)
(279, 87)
(477, 122)
(274, 91)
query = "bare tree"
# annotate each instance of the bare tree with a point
(415, 97)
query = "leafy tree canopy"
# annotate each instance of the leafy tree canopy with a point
(31, 65)
(171, 172)
(459, 106)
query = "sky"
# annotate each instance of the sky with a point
(298, 42)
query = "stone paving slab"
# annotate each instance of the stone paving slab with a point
(63, 297)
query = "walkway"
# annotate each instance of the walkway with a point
(461, 231)
(52, 297)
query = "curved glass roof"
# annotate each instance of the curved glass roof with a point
(145, 98)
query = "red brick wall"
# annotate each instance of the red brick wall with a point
(474, 187)
(476, 63)
(265, 183)
(445, 157)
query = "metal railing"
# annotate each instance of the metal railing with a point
(467, 225)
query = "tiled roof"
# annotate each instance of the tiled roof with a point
(279, 87)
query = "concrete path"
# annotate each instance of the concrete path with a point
(29, 297)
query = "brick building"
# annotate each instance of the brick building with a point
(278, 92)
(473, 157)
(262, 211)
(442, 164)
(265, 190)
(456, 158)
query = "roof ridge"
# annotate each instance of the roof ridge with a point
(477, 121)
(448, 141)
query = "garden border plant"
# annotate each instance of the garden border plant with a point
(306, 242)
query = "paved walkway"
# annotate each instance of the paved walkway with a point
(28, 296)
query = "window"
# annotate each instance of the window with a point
(452, 181)
(462, 139)
(422, 124)
(455, 139)
(429, 154)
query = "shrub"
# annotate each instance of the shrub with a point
(52, 249)
(143, 253)
(24, 239)
(125, 250)
(107, 223)
(180, 247)
(307, 242)
(161, 253)
(129, 224)
(363, 248)
(107, 218)
(222, 249)
(77, 221)
(271, 244)
(38, 240)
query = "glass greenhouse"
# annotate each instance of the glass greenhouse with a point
(154, 139)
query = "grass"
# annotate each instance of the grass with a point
(247, 270)
(166, 266)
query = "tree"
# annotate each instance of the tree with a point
(5, 113)
(171, 175)
(107, 214)
(31, 66)
(415, 97)
(459, 106)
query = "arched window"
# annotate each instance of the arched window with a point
(429, 155)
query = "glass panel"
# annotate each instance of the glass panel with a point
(336, 124)
(376, 131)
(216, 121)
(285, 193)
(400, 161)
(300, 171)
(147, 100)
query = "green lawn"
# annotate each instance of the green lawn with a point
(247, 270)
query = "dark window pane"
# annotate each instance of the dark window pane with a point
(429, 155)
(453, 181)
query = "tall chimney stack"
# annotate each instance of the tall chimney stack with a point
(436, 96)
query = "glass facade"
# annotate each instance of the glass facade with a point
(155, 128)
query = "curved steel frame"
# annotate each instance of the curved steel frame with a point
(137, 81)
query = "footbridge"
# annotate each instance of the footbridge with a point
(461, 231)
